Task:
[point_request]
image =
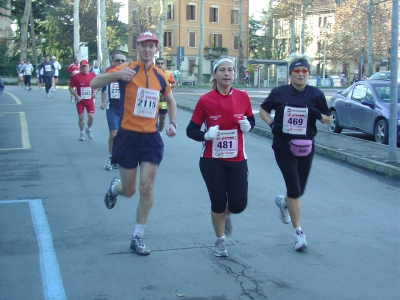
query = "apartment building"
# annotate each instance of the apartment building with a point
(182, 32)
(5, 24)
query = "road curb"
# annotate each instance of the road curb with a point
(344, 157)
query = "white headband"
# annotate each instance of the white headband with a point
(218, 62)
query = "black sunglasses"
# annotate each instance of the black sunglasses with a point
(120, 60)
(159, 63)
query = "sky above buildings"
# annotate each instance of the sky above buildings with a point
(255, 5)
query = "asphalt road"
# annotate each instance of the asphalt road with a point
(58, 241)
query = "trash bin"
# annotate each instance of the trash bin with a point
(312, 80)
(265, 83)
(319, 80)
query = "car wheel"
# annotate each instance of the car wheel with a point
(333, 125)
(381, 132)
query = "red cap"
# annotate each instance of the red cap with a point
(147, 36)
(84, 63)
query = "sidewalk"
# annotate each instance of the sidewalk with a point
(366, 155)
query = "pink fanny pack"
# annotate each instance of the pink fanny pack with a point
(300, 148)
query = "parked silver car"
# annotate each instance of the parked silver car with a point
(364, 107)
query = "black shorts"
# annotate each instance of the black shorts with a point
(131, 148)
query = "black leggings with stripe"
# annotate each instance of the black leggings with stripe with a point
(227, 184)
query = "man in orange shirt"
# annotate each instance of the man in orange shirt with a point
(162, 112)
(138, 140)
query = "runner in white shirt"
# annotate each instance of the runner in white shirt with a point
(57, 68)
(27, 68)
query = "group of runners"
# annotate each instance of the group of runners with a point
(47, 73)
(137, 95)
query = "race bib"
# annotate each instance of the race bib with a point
(225, 145)
(86, 93)
(47, 68)
(114, 90)
(146, 103)
(295, 120)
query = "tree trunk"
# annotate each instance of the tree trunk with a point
(33, 38)
(24, 30)
(303, 25)
(370, 59)
(160, 27)
(77, 40)
(292, 32)
(240, 66)
(201, 44)
(102, 45)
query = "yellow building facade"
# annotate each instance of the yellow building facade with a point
(182, 33)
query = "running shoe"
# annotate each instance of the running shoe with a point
(54, 89)
(108, 165)
(115, 166)
(89, 133)
(284, 215)
(48, 95)
(82, 137)
(29, 88)
(109, 198)
(72, 99)
(228, 226)
(219, 248)
(300, 242)
(138, 245)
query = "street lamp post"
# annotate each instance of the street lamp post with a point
(324, 60)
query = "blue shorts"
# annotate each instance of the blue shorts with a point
(113, 118)
(131, 148)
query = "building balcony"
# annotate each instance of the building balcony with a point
(216, 52)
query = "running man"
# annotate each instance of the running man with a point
(27, 69)
(95, 68)
(110, 102)
(57, 68)
(48, 72)
(138, 141)
(162, 111)
(20, 73)
(73, 69)
(79, 87)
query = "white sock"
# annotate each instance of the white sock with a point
(139, 229)
(297, 228)
(113, 190)
(221, 238)
(82, 131)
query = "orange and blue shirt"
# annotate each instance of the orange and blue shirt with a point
(152, 80)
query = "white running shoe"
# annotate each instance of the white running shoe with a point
(108, 165)
(89, 133)
(284, 215)
(300, 242)
(82, 137)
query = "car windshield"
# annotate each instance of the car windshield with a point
(383, 92)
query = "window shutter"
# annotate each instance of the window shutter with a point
(188, 12)
(232, 16)
(219, 40)
(134, 38)
(211, 15)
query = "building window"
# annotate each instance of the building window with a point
(322, 21)
(216, 40)
(191, 12)
(191, 63)
(213, 14)
(134, 17)
(168, 39)
(192, 39)
(234, 16)
(134, 38)
(236, 43)
(170, 12)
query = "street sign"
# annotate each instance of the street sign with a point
(355, 71)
